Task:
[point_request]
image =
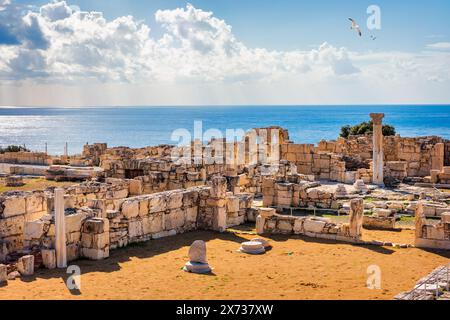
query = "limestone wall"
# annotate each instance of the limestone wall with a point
(36, 158)
(447, 153)
(116, 219)
(332, 160)
(297, 194)
(435, 236)
(268, 222)
(17, 208)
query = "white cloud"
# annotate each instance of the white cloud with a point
(58, 44)
(439, 45)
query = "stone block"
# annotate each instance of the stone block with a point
(95, 254)
(157, 203)
(143, 207)
(135, 228)
(298, 226)
(25, 265)
(285, 226)
(74, 222)
(174, 219)
(191, 214)
(175, 201)
(34, 230)
(14, 206)
(153, 224)
(95, 240)
(35, 203)
(445, 217)
(96, 225)
(49, 258)
(313, 226)
(130, 208)
(136, 187)
(233, 204)
(3, 273)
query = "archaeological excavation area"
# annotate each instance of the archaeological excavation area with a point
(363, 217)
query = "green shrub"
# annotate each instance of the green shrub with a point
(13, 148)
(365, 128)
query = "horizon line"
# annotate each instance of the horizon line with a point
(235, 105)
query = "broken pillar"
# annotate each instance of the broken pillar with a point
(378, 154)
(356, 217)
(60, 229)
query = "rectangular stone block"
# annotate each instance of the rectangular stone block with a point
(313, 226)
(34, 230)
(96, 225)
(14, 206)
(158, 203)
(95, 254)
(35, 203)
(174, 219)
(135, 228)
(130, 208)
(175, 201)
(74, 222)
(153, 223)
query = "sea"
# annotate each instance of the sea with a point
(51, 127)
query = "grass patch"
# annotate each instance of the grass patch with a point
(407, 219)
(31, 184)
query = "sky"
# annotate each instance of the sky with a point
(217, 52)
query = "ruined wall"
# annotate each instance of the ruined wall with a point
(302, 194)
(270, 222)
(17, 208)
(26, 220)
(447, 153)
(435, 236)
(332, 160)
(35, 158)
(317, 161)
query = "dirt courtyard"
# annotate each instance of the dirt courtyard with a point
(296, 268)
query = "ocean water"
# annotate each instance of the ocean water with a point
(143, 126)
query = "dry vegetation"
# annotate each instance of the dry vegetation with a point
(32, 184)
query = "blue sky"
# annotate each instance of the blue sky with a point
(294, 24)
(101, 52)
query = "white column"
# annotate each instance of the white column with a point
(60, 229)
(378, 154)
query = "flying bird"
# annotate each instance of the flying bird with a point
(373, 37)
(355, 26)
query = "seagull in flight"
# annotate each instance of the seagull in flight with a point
(355, 26)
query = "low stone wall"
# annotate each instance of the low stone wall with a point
(36, 158)
(436, 236)
(268, 222)
(17, 208)
(379, 223)
(441, 176)
(123, 220)
(300, 194)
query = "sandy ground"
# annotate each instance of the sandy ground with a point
(296, 268)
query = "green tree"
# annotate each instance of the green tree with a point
(365, 128)
(13, 148)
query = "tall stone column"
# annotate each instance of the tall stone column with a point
(60, 229)
(378, 154)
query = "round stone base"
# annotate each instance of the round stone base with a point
(196, 267)
(252, 247)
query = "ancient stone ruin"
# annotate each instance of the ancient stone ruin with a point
(122, 196)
